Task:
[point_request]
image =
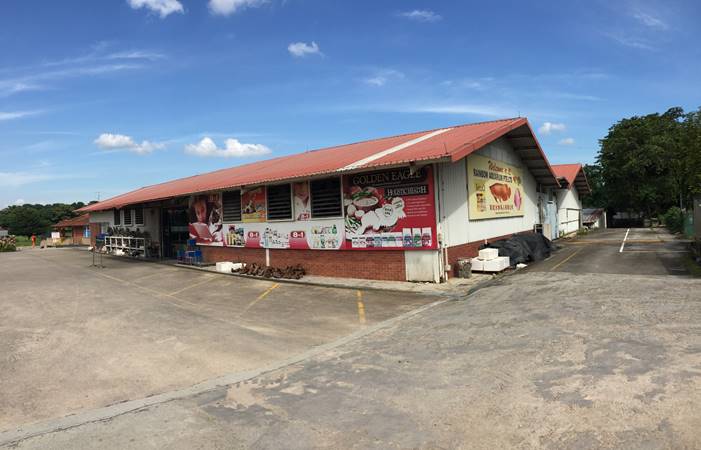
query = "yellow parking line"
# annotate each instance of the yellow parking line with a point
(565, 260)
(260, 297)
(209, 278)
(361, 307)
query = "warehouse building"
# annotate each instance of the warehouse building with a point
(573, 186)
(397, 208)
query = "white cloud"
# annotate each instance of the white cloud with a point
(460, 109)
(549, 127)
(228, 7)
(16, 114)
(649, 20)
(164, 8)
(566, 141)
(382, 77)
(20, 202)
(15, 179)
(302, 49)
(631, 41)
(109, 141)
(233, 149)
(421, 15)
(136, 54)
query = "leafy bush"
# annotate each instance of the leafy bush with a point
(8, 244)
(674, 219)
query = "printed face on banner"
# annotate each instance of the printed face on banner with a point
(253, 205)
(394, 208)
(302, 204)
(206, 219)
(495, 189)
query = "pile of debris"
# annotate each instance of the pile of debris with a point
(8, 244)
(295, 272)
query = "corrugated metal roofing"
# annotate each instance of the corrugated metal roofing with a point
(448, 144)
(79, 221)
(574, 175)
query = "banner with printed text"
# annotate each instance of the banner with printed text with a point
(390, 209)
(495, 189)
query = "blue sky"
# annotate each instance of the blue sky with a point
(107, 96)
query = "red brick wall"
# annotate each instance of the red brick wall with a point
(471, 249)
(374, 265)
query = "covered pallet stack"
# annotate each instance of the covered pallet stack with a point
(489, 260)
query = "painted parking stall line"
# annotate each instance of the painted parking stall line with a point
(623, 244)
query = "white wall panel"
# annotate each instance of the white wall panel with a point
(454, 214)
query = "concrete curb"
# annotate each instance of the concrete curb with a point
(23, 432)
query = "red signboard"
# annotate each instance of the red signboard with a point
(390, 209)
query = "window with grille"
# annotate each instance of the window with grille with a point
(231, 205)
(127, 216)
(279, 198)
(139, 216)
(326, 197)
(117, 217)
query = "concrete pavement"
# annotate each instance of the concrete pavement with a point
(564, 354)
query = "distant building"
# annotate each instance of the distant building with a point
(594, 218)
(74, 231)
(573, 185)
(3, 232)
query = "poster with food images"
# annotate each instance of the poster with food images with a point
(390, 209)
(494, 188)
(253, 205)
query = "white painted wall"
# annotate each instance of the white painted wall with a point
(569, 210)
(422, 265)
(151, 221)
(454, 220)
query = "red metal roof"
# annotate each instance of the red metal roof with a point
(445, 144)
(79, 221)
(574, 175)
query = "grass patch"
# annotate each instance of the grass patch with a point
(691, 265)
(24, 241)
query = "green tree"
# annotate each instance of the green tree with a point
(597, 198)
(643, 163)
(25, 221)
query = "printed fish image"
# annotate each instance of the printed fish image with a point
(501, 192)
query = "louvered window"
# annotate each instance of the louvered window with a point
(139, 216)
(326, 197)
(231, 205)
(127, 217)
(279, 202)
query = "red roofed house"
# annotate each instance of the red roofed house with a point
(396, 208)
(74, 231)
(574, 185)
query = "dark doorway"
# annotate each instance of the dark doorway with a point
(175, 230)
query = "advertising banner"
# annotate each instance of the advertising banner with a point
(302, 205)
(253, 205)
(304, 235)
(205, 225)
(495, 189)
(390, 209)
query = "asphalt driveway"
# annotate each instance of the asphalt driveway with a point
(76, 337)
(569, 353)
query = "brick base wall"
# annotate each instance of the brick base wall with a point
(377, 265)
(471, 249)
